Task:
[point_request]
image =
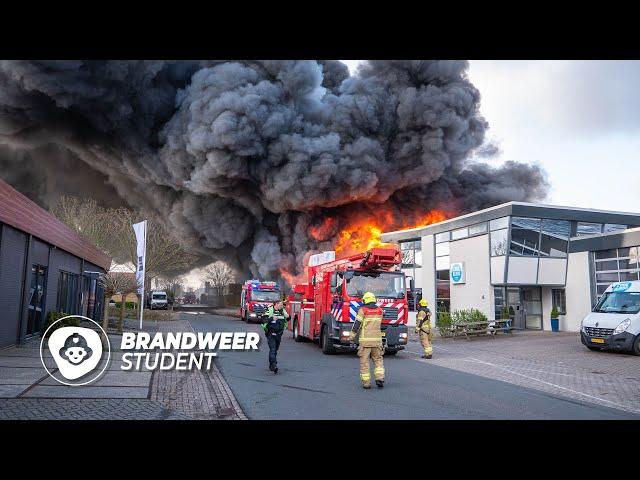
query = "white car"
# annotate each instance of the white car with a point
(614, 323)
(158, 300)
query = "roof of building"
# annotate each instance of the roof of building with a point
(605, 241)
(518, 209)
(21, 213)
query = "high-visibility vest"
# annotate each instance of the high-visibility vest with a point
(369, 333)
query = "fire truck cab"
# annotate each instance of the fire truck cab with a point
(325, 308)
(256, 297)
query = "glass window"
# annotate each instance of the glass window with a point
(586, 228)
(525, 236)
(477, 229)
(498, 302)
(68, 293)
(607, 277)
(411, 254)
(460, 233)
(559, 300)
(628, 276)
(602, 254)
(442, 249)
(606, 265)
(613, 227)
(443, 237)
(499, 223)
(442, 263)
(555, 238)
(499, 242)
(442, 275)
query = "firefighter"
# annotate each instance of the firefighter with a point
(277, 320)
(423, 328)
(366, 332)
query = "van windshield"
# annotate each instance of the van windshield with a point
(159, 296)
(619, 302)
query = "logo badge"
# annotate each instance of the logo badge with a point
(76, 351)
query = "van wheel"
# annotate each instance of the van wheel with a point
(326, 343)
(636, 346)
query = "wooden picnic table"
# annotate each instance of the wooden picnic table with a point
(488, 327)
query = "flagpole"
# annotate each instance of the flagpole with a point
(143, 273)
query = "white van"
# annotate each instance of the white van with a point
(614, 323)
(158, 300)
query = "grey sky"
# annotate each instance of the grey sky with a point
(578, 119)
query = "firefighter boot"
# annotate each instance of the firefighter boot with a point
(378, 371)
(380, 383)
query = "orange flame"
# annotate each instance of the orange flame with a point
(365, 234)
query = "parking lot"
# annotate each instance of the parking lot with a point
(556, 363)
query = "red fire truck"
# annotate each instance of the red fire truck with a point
(325, 308)
(256, 297)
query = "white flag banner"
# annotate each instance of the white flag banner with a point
(140, 230)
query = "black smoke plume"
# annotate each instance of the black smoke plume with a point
(242, 158)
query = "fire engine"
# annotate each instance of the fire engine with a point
(324, 308)
(256, 297)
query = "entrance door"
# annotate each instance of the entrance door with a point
(36, 299)
(532, 301)
(516, 310)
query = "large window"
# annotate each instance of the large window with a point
(68, 293)
(411, 254)
(499, 240)
(525, 236)
(443, 261)
(586, 228)
(554, 238)
(615, 265)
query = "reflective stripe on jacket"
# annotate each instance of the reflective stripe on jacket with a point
(367, 326)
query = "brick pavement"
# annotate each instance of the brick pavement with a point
(556, 363)
(200, 394)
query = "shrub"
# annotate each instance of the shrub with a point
(554, 312)
(505, 313)
(467, 316)
(54, 317)
(443, 323)
(129, 305)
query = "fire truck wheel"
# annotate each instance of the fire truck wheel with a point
(325, 341)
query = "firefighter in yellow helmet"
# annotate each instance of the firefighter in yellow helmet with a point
(367, 334)
(423, 328)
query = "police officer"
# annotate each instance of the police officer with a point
(423, 328)
(277, 320)
(366, 332)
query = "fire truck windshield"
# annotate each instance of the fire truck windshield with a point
(263, 296)
(381, 284)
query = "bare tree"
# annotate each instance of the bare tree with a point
(219, 274)
(117, 283)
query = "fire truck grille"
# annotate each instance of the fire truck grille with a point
(598, 332)
(259, 309)
(389, 313)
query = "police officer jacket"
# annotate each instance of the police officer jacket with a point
(367, 326)
(277, 320)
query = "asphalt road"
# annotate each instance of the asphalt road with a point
(311, 385)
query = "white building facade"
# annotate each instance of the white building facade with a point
(521, 259)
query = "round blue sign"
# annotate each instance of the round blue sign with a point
(456, 273)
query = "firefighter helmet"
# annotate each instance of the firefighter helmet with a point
(423, 302)
(368, 297)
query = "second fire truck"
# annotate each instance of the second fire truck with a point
(325, 308)
(256, 297)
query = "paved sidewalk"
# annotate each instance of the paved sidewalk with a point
(27, 391)
(556, 363)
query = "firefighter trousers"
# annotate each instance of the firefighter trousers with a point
(426, 343)
(375, 353)
(273, 339)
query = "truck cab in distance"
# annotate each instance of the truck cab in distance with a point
(614, 323)
(158, 300)
(256, 297)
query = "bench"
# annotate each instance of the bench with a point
(489, 327)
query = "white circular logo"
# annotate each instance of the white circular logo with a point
(77, 352)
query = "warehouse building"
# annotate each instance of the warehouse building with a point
(522, 257)
(44, 267)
